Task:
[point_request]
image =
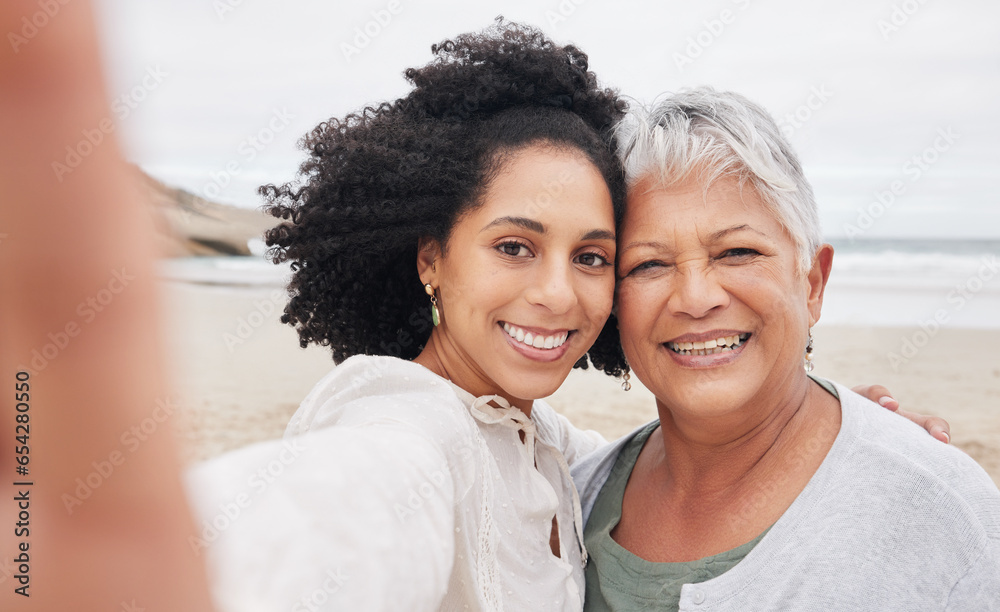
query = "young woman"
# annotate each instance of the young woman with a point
(455, 250)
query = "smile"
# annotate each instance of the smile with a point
(537, 341)
(709, 347)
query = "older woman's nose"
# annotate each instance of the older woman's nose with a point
(554, 289)
(696, 293)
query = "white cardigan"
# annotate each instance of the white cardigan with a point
(891, 520)
(396, 490)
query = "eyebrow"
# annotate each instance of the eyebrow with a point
(535, 226)
(646, 243)
(599, 234)
(712, 238)
(736, 228)
(523, 222)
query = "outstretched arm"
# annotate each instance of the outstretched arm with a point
(343, 518)
(106, 524)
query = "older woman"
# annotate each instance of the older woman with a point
(758, 488)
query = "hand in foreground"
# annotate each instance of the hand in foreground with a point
(936, 426)
(121, 543)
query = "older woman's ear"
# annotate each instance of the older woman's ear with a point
(818, 276)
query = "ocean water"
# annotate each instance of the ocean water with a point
(954, 283)
(907, 283)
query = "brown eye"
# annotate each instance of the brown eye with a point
(514, 249)
(593, 260)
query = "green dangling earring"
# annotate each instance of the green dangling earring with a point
(435, 313)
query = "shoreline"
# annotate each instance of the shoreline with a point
(238, 374)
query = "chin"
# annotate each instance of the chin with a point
(717, 403)
(533, 391)
(698, 391)
(535, 385)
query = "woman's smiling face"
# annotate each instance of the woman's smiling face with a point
(526, 281)
(713, 310)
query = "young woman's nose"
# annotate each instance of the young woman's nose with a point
(553, 288)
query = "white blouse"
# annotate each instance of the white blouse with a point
(394, 489)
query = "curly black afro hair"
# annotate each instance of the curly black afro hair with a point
(379, 180)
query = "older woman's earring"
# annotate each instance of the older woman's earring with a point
(435, 313)
(626, 385)
(808, 364)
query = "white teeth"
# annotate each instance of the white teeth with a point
(536, 341)
(699, 345)
(710, 344)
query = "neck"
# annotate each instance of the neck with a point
(719, 454)
(449, 362)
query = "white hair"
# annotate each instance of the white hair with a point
(717, 134)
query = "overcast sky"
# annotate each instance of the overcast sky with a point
(862, 86)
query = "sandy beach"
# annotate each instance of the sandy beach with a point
(238, 374)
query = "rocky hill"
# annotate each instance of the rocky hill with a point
(188, 224)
